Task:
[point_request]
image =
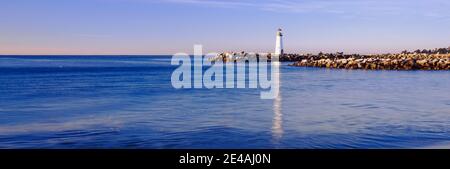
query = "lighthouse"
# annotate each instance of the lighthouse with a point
(279, 43)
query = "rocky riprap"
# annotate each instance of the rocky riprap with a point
(437, 59)
(376, 62)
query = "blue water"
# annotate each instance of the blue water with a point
(129, 102)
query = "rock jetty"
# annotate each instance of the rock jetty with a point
(437, 59)
(379, 62)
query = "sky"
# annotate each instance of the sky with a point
(152, 27)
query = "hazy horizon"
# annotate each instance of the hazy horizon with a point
(166, 27)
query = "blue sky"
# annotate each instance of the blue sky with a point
(171, 26)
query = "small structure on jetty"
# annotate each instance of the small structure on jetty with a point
(279, 50)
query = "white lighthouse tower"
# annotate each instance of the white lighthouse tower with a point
(279, 43)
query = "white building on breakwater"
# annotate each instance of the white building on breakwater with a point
(279, 43)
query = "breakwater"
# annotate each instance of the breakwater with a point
(426, 60)
(374, 62)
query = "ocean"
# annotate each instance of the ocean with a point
(129, 102)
